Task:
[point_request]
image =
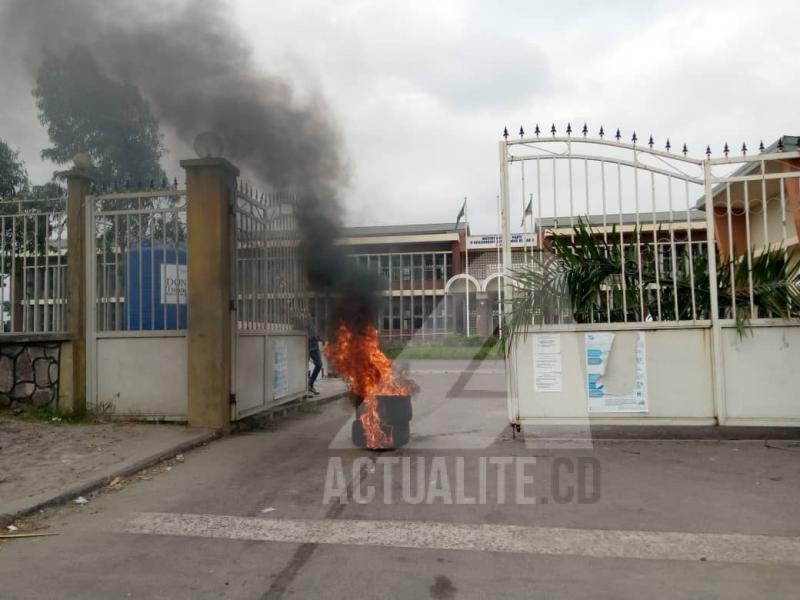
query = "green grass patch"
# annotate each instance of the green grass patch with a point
(45, 415)
(445, 352)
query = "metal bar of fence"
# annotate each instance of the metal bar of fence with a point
(117, 257)
(785, 233)
(623, 281)
(150, 230)
(139, 270)
(691, 249)
(731, 255)
(25, 311)
(605, 235)
(4, 287)
(656, 253)
(766, 240)
(638, 240)
(673, 258)
(128, 246)
(618, 161)
(749, 249)
(163, 274)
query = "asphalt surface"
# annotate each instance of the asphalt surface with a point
(247, 517)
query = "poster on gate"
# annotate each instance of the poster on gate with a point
(616, 372)
(280, 368)
(174, 286)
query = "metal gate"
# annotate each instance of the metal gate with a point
(683, 253)
(270, 348)
(136, 294)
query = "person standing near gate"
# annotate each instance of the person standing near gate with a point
(314, 355)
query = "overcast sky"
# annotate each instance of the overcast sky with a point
(422, 89)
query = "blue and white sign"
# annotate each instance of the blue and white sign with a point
(616, 377)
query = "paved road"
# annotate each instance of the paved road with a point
(244, 517)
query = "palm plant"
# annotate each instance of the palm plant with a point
(586, 278)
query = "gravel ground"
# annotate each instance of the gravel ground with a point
(37, 459)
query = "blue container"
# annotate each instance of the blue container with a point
(156, 286)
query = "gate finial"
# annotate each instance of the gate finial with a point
(537, 131)
(668, 146)
(650, 141)
(505, 132)
(685, 149)
(634, 138)
(521, 132)
(726, 150)
(569, 129)
(761, 146)
(708, 151)
(602, 133)
(744, 149)
(585, 130)
(618, 134)
(553, 129)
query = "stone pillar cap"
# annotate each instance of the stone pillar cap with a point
(206, 163)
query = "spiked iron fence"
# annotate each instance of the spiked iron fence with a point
(270, 289)
(33, 238)
(625, 236)
(138, 260)
(679, 254)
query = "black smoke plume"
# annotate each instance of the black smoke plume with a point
(193, 66)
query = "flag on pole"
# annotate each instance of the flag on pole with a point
(528, 210)
(461, 213)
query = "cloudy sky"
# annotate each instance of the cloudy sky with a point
(422, 89)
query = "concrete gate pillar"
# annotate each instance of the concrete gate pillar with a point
(210, 189)
(72, 359)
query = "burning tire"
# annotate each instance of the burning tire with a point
(395, 422)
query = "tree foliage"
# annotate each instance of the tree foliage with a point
(84, 110)
(13, 176)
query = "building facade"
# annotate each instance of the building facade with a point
(440, 280)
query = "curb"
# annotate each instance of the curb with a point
(85, 488)
(282, 410)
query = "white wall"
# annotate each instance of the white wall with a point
(143, 376)
(762, 376)
(679, 384)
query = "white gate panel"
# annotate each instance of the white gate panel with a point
(144, 376)
(679, 380)
(251, 374)
(762, 379)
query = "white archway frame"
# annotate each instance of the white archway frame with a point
(488, 280)
(461, 276)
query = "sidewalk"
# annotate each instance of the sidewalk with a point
(43, 464)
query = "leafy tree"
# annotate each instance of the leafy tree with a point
(13, 176)
(86, 111)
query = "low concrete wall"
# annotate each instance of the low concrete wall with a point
(143, 376)
(762, 375)
(679, 381)
(29, 373)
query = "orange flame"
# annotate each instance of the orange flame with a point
(359, 360)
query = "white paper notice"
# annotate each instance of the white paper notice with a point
(547, 362)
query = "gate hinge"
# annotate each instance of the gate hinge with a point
(232, 399)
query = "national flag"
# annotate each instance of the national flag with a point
(528, 210)
(461, 213)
